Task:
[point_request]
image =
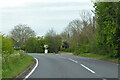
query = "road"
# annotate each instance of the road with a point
(66, 66)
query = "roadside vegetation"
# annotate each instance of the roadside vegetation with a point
(14, 62)
(97, 36)
(17, 63)
(99, 56)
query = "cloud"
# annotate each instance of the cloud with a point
(57, 8)
(15, 3)
(40, 14)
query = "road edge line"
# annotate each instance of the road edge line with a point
(32, 69)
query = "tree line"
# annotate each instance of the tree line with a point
(99, 37)
(99, 34)
(22, 37)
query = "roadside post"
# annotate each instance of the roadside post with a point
(46, 50)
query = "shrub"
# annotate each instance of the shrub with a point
(7, 45)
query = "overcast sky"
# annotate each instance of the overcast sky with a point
(41, 15)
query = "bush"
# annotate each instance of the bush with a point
(66, 49)
(23, 47)
(31, 45)
(16, 48)
(16, 64)
(7, 45)
(34, 45)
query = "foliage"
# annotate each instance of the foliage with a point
(31, 45)
(65, 44)
(21, 33)
(79, 34)
(66, 50)
(35, 45)
(108, 27)
(99, 56)
(103, 39)
(15, 64)
(53, 41)
(7, 45)
(40, 45)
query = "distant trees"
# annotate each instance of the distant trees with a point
(35, 45)
(103, 39)
(53, 41)
(80, 36)
(21, 33)
(79, 33)
(30, 45)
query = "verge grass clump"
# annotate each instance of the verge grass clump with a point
(15, 64)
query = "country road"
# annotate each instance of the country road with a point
(67, 66)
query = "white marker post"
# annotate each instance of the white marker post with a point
(46, 50)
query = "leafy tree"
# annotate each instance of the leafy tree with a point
(35, 45)
(30, 45)
(108, 27)
(7, 45)
(21, 33)
(65, 44)
(53, 41)
(40, 45)
(0, 44)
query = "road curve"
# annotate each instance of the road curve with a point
(64, 66)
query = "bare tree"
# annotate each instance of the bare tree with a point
(86, 17)
(87, 21)
(21, 33)
(80, 31)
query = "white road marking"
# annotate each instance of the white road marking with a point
(32, 69)
(72, 60)
(87, 68)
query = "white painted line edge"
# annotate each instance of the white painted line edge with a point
(72, 60)
(87, 68)
(32, 69)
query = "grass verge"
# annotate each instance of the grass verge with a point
(15, 64)
(97, 56)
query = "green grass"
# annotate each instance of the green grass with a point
(0, 56)
(16, 64)
(97, 56)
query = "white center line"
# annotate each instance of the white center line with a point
(87, 68)
(72, 60)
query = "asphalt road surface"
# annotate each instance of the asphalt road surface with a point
(66, 66)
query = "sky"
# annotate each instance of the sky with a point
(41, 15)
